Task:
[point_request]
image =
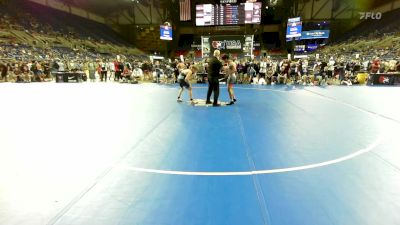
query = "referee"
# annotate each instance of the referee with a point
(214, 67)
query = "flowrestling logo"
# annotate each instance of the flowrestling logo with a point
(384, 80)
(370, 15)
(227, 44)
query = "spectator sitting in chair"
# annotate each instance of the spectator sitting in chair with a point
(26, 75)
(346, 81)
(157, 74)
(137, 73)
(126, 75)
(392, 66)
(38, 72)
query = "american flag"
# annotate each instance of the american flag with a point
(185, 10)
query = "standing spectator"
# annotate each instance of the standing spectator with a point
(92, 71)
(298, 71)
(331, 67)
(263, 68)
(376, 65)
(4, 71)
(282, 77)
(103, 71)
(356, 67)
(269, 76)
(111, 68)
(341, 70)
(119, 70)
(323, 77)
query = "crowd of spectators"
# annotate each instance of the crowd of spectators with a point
(35, 51)
(335, 70)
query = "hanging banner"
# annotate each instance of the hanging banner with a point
(166, 33)
(312, 47)
(315, 34)
(294, 27)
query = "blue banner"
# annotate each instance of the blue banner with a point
(166, 33)
(299, 48)
(315, 34)
(294, 29)
(312, 47)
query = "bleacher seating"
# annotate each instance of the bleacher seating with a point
(43, 27)
(374, 27)
(149, 39)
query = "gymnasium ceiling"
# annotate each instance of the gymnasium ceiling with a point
(104, 7)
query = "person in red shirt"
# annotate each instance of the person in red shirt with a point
(376, 64)
(118, 70)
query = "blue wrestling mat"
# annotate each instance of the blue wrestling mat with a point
(281, 155)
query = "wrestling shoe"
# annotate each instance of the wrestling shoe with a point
(209, 102)
(179, 100)
(231, 103)
(216, 105)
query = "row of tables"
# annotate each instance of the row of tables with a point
(66, 77)
(384, 78)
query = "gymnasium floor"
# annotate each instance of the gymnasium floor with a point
(105, 154)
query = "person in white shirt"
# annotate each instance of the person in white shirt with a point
(61, 66)
(72, 65)
(137, 73)
(263, 71)
(29, 65)
(111, 69)
(331, 67)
